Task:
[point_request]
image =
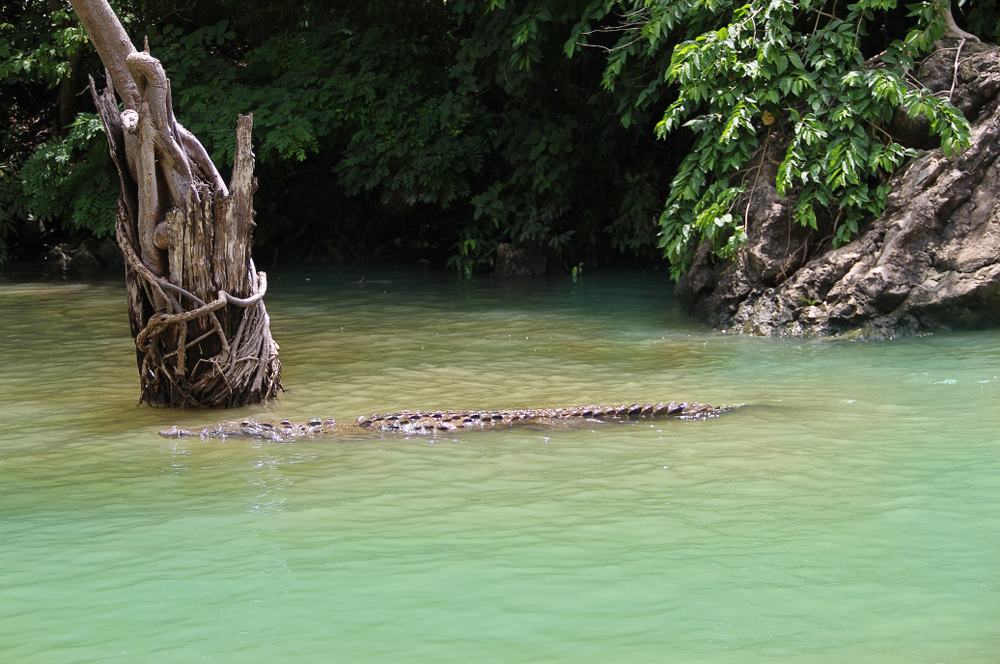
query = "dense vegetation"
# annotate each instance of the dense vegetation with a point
(432, 129)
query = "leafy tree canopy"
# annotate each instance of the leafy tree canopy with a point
(817, 83)
(588, 127)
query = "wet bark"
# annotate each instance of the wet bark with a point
(930, 262)
(195, 299)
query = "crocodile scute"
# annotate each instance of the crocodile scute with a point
(438, 422)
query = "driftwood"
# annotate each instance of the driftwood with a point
(195, 299)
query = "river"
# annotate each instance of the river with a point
(849, 513)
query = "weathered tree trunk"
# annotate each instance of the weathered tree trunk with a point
(195, 299)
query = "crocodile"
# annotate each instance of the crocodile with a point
(439, 422)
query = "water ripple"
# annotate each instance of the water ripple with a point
(848, 514)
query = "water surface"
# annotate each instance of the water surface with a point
(848, 514)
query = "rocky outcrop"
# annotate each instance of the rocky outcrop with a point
(512, 261)
(931, 261)
(88, 256)
(433, 423)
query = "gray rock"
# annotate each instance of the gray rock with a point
(83, 259)
(932, 261)
(110, 254)
(519, 261)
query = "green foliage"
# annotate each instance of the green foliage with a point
(790, 77)
(524, 121)
(39, 179)
(11, 205)
(562, 174)
(980, 18)
(39, 47)
(374, 98)
(633, 230)
(332, 89)
(68, 181)
(72, 180)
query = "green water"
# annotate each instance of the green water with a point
(850, 514)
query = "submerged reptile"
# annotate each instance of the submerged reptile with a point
(431, 423)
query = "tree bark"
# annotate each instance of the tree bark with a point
(195, 299)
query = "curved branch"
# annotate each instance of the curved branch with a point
(112, 44)
(198, 155)
(253, 299)
(230, 299)
(121, 234)
(154, 91)
(951, 28)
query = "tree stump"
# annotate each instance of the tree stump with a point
(195, 299)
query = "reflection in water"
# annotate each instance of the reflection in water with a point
(848, 514)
